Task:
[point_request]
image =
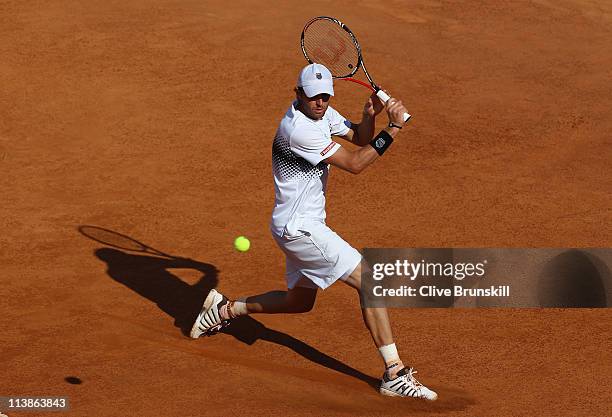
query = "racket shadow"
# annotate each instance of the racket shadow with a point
(149, 276)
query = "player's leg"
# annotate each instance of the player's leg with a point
(376, 320)
(397, 379)
(301, 255)
(217, 310)
(295, 300)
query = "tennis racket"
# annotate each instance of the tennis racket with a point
(119, 241)
(330, 42)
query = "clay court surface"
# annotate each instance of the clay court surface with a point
(155, 120)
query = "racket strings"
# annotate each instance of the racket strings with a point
(325, 42)
(110, 238)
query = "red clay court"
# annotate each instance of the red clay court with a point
(155, 120)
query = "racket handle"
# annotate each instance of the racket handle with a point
(384, 97)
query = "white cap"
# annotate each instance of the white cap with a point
(316, 79)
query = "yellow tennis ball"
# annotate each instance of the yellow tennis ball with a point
(242, 244)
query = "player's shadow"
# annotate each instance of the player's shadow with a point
(248, 330)
(574, 278)
(149, 276)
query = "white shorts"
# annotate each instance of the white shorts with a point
(318, 254)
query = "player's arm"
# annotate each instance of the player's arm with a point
(358, 160)
(361, 133)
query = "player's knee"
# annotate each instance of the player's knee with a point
(354, 280)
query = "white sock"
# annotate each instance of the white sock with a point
(393, 363)
(389, 353)
(239, 307)
(233, 309)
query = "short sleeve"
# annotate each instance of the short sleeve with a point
(338, 124)
(311, 145)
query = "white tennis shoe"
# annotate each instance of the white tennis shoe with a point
(209, 320)
(406, 385)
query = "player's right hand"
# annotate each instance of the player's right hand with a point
(395, 110)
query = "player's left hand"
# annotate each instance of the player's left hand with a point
(373, 106)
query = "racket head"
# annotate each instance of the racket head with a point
(117, 240)
(327, 41)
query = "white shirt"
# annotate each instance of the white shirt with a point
(300, 173)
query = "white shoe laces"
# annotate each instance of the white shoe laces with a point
(409, 376)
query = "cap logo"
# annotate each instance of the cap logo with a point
(319, 76)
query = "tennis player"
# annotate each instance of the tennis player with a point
(316, 257)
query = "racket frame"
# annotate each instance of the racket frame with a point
(383, 96)
(87, 231)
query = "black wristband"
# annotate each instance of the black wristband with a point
(391, 124)
(381, 142)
